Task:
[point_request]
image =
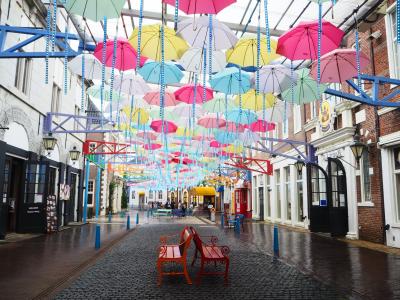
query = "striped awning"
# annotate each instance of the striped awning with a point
(203, 191)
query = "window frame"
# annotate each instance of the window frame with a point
(297, 124)
(391, 41)
(93, 183)
(361, 173)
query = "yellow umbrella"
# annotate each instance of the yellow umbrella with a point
(139, 115)
(234, 149)
(251, 100)
(183, 131)
(244, 53)
(150, 44)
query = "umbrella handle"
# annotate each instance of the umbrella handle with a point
(194, 22)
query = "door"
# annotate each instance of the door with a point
(338, 218)
(70, 204)
(261, 199)
(318, 201)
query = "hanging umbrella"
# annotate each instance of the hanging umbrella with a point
(187, 93)
(163, 126)
(147, 135)
(241, 116)
(224, 137)
(186, 111)
(196, 33)
(153, 98)
(234, 148)
(277, 114)
(154, 146)
(138, 116)
(151, 73)
(339, 65)
(301, 42)
(125, 55)
(150, 45)
(93, 67)
(216, 144)
(211, 121)
(252, 100)
(306, 89)
(249, 137)
(261, 126)
(95, 92)
(244, 54)
(131, 84)
(193, 60)
(201, 6)
(218, 105)
(230, 81)
(233, 127)
(95, 10)
(275, 79)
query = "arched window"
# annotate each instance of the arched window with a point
(159, 194)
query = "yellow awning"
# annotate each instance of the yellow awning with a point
(203, 191)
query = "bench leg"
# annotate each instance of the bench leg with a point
(159, 268)
(188, 280)
(194, 257)
(226, 270)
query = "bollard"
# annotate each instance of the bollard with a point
(276, 241)
(128, 222)
(222, 220)
(97, 241)
(109, 217)
(137, 218)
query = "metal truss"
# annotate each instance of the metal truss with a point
(61, 40)
(81, 124)
(92, 147)
(374, 99)
(245, 163)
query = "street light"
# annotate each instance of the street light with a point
(49, 142)
(357, 147)
(299, 164)
(74, 154)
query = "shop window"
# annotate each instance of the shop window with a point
(6, 178)
(299, 185)
(364, 180)
(55, 99)
(22, 74)
(397, 181)
(150, 194)
(392, 46)
(35, 183)
(160, 195)
(278, 193)
(90, 192)
(288, 194)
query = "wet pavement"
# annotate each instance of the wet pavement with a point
(30, 267)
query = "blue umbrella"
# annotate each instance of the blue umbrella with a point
(228, 81)
(151, 72)
(241, 116)
(224, 137)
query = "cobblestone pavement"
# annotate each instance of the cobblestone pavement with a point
(128, 271)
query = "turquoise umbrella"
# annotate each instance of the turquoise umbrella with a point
(306, 89)
(151, 72)
(95, 91)
(230, 81)
(241, 116)
(224, 137)
(217, 105)
(94, 9)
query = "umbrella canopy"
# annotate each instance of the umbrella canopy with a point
(230, 81)
(193, 60)
(261, 126)
(216, 144)
(234, 127)
(147, 135)
(151, 73)
(249, 137)
(95, 10)
(211, 121)
(201, 6)
(244, 54)
(125, 55)
(163, 126)
(196, 33)
(306, 89)
(154, 146)
(339, 65)
(218, 105)
(138, 116)
(93, 67)
(224, 137)
(131, 84)
(95, 92)
(275, 79)
(301, 42)
(153, 98)
(187, 94)
(252, 100)
(277, 114)
(241, 116)
(186, 111)
(150, 45)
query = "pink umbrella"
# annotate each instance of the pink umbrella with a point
(301, 42)
(126, 55)
(201, 6)
(216, 144)
(202, 137)
(339, 65)
(233, 127)
(186, 94)
(147, 135)
(152, 146)
(261, 126)
(211, 121)
(166, 126)
(153, 98)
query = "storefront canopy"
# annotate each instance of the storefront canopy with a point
(203, 191)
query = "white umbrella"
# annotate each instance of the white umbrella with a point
(93, 67)
(192, 60)
(196, 33)
(277, 113)
(248, 137)
(275, 79)
(131, 84)
(186, 111)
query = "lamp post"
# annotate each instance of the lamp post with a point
(357, 148)
(49, 142)
(299, 164)
(74, 154)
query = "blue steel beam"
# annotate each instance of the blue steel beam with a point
(62, 41)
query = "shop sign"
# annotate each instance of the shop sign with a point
(327, 115)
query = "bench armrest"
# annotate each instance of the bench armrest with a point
(213, 240)
(164, 239)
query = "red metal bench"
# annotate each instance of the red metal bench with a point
(174, 253)
(210, 253)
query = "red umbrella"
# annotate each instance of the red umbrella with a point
(187, 94)
(233, 127)
(153, 98)
(216, 144)
(201, 6)
(261, 126)
(125, 58)
(301, 42)
(211, 121)
(339, 65)
(169, 127)
(152, 146)
(147, 135)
